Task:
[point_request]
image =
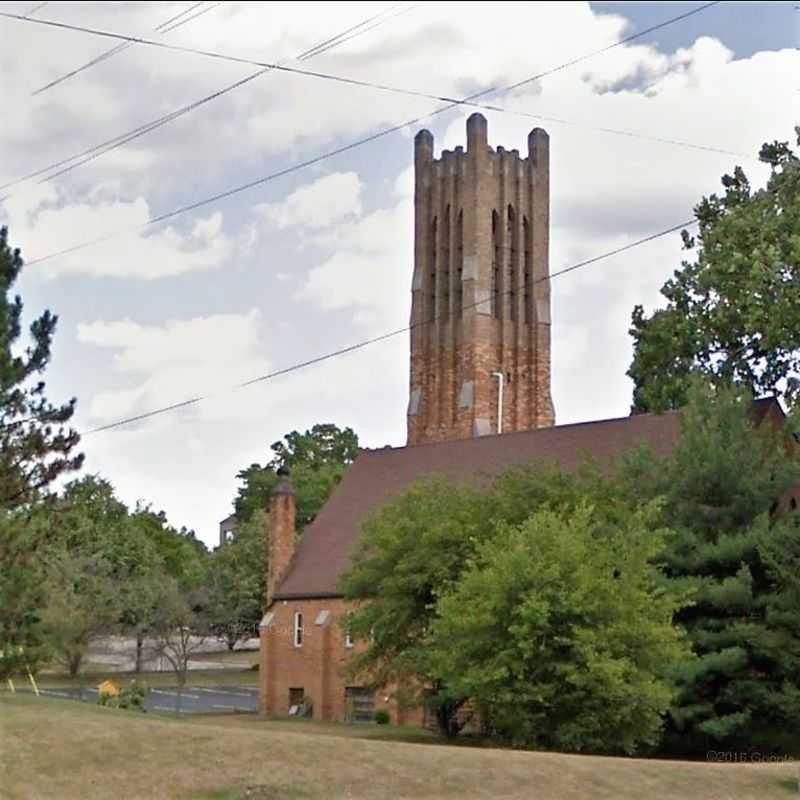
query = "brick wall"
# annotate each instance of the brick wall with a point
(480, 292)
(317, 666)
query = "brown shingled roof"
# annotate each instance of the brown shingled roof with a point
(377, 476)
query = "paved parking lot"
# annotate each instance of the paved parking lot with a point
(195, 699)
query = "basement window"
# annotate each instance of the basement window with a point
(298, 628)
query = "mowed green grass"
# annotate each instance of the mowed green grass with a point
(61, 749)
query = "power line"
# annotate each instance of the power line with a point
(177, 16)
(321, 157)
(128, 41)
(79, 159)
(193, 17)
(100, 149)
(374, 340)
(242, 60)
(36, 8)
(626, 40)
(161, 28)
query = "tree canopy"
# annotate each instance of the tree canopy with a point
(562, 636)
(443, 580)
(36, 447)
(720, 490)
(316, 459)
(732, 314)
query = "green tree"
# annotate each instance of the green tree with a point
(316, 459)
(324, 444)
(238, 582)
(180, 628)
(732, 314)
(91, 523)
(82, 605)
(415, 550)
(183, 555)
(36, 447)
(720, 489)
(779, 550)
(409, 553)
(560, 631)
(22, 594)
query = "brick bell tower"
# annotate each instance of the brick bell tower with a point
(480, 303)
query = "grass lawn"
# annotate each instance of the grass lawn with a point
(211, 677)
(61, 749)
(237, 658)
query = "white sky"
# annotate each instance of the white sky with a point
(322, 258)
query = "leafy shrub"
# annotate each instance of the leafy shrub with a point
(381, 717)
(131, 698)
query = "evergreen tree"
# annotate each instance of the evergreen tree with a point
(720, 489)
(36, 447)
(35, 444)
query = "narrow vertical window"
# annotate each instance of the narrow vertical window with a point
(298, 628)
(444, 309)
(511, 245)
(432, 287)
(495, 287)
(527, 283)
(459, 264)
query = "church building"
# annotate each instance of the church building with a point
(479, 403)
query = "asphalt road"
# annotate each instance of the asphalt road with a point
(195, 699)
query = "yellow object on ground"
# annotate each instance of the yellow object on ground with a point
(108, 687)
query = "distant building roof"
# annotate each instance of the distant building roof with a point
(229, 520)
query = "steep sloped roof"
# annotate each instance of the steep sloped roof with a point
(377, 476)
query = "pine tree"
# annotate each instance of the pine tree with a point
(720, 488)
(36, 446)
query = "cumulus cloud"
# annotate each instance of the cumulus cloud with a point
(320, 204)
(125, 246)
(226, 293)
(176, 361)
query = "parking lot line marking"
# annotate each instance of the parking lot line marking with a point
(173, 693)
(249, 696)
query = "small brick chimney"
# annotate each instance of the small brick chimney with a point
(281, 533)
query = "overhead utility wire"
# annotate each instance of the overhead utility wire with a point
(426, 95)
(161, 28)
(319, 158)
(72, 162)
(36, 8)
(225, 57)
(193, 17)
(374, 340)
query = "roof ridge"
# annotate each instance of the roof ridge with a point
(530, 431)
